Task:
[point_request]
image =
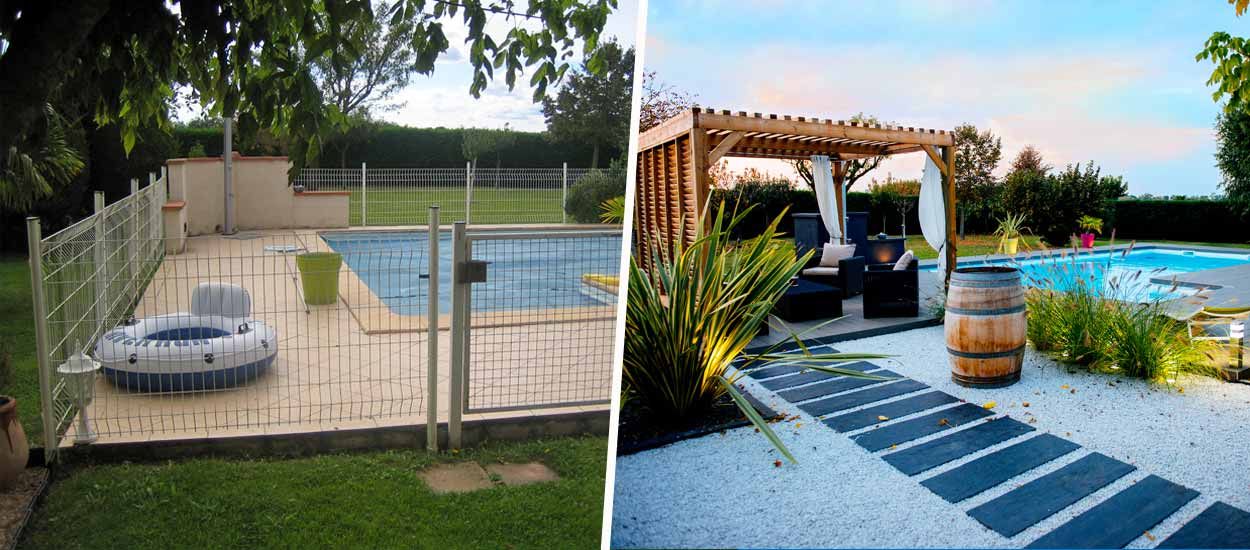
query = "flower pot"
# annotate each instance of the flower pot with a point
(1087, 240)
(319, 275)
(1011, 245)
(14, 449)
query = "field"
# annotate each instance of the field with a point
(490, 206)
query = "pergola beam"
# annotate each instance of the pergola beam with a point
(819, 129)
(724, 147)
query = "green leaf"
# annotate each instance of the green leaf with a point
(756, 419)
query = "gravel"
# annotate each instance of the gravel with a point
(724, 490)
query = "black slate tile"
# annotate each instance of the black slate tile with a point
(1041, 498)
(782, 382)
(1219, 526)
(764, 373)
(905, 431)
(990, 470)
(854, 399)
(894, 409)
(931, 454)
(1120, 519)
(836, 385)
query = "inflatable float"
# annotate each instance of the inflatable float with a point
(600, 288)
(216, 345)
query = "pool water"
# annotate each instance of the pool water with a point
(522, 274)
(1122, 276)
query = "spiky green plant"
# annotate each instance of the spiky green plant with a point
(38, 169)
(697, 309)
(1010, 227)
(612, 210)
(1090, 224)
(1141, 342)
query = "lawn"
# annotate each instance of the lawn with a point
(411, 206)
(18, 330)
(371, 500)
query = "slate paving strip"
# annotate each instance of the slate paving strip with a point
(1219, 526)
(764, 373)
(1041, 498)
(783, 382)
(932, 454)
(894, 409)
(1120, 519)
(917, 428)
(990, 470)
(854, 399)
(836, 385)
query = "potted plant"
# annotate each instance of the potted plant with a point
(14, 449)
(1089, 226)
(1008, 233)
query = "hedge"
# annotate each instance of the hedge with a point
(771, 200)
(1177, 220)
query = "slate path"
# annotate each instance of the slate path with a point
(849, 404)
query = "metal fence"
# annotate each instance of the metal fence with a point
(401, 196)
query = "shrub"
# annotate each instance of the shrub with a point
(592, 190)
(196, 151)
(1180, 220)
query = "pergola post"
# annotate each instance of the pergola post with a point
(948, 195)
(839, 177)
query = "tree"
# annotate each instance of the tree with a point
(31, 174)
(659, 102)
(1232, 156)
(593, 106)
(1030, 159)
(253, 59)
(479, 142)
(855, 169)
(1231, 57)
(976, 157)
(364, 85)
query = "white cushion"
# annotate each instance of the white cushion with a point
(834, 253)
(821, 271)
(904, 261)
(222, 299)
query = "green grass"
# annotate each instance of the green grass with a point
(372, 500)
(17, 332)
(409, 207)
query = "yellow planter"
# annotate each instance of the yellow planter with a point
(1011, 245)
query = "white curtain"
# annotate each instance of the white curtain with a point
(822, 176)
(932, 209)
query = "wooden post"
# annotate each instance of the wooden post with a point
(698, 172)
(948, 194)
(839, 178)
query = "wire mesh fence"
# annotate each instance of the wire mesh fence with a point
(541, 322)
(402, 196)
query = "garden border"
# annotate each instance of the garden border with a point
(629, 448)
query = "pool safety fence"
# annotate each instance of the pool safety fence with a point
(402, 196)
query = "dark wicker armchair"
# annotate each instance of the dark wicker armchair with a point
(890, 293)
(849, 276)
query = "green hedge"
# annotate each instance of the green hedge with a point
(770, 200)
(1178, 220)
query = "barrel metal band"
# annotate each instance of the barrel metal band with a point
(985, 312)
(999, 283)
(986, 355)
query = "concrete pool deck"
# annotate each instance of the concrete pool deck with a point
(330, 372)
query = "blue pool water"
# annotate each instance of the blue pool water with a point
(1123, 276)
(522, 273)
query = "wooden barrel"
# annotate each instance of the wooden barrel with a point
(985, 326)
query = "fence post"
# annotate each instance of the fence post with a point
(564, 195)
(100, 273)
(431, 368)
(459, 329)
(132, 231)
(364, 195)
(34, 245)
(468, 190)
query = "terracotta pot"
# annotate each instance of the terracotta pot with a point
(14, 449)
(1087, 240)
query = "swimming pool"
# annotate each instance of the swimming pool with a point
(522, 274)
(1144, 274)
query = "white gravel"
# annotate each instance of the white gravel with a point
(724, 490)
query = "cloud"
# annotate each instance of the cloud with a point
(453, 107)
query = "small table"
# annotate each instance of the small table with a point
(808, 301)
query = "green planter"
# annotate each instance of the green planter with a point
(319, 273)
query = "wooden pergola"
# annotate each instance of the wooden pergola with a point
(673, 159)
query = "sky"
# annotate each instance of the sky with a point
(1110, 81)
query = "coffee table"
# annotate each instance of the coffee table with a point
(808, 301)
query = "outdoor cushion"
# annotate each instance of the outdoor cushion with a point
(821, 270)
(833, 253)
(905, 259)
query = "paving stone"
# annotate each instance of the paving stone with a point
(862, 397)
(990, 470)
(836, 385)
(764, 373)
(1041, 498)
(916, 428)
(894, 409)
(1219, 526)
(522, 474)
(1120, 519)
(932, 454)
(782, 382)
(460, 477)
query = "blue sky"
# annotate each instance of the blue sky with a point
(1112, 82)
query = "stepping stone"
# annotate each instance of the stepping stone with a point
(990, 470)
(916, 428)
(812, 375)
(932, 454)
(837, 385)
(522, 474)
(862, 397)
(764, 373)
(894, 409)
(1119, 520)
(1041, 498)
(461, 477)
(1219, 526)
